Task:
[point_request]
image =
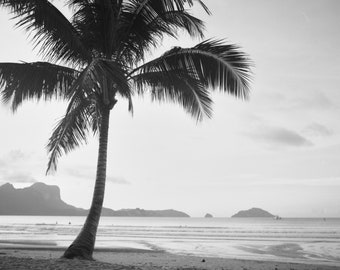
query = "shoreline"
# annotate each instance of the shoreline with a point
(137, 259)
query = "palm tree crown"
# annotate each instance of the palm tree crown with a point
(99, 55)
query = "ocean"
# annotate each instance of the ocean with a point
(312, 240)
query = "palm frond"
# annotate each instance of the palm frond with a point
(169, 22)
(130, 106)
(37, 80)
(105, 78)
(144, 23)
(54, 34)
(217, 65)
(175, 85)
(117, 77)
(97, 22)
(71, 131)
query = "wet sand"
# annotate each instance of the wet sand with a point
(130, 259)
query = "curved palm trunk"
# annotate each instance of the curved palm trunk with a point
(83, 246)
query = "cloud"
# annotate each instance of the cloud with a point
(117, 180)
(280, 137)
(80, 173)
(89, 174)
(316, 100)
(17, 177)
(12, 168)
(316, 182)
(16, 155)
(316, 129)
(11, 157)
(299, 100)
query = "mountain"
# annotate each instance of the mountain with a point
(44, 200)
(38, 199)
(252, 213)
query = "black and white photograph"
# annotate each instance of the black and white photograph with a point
(170, 134)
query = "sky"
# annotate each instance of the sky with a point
(279, 150)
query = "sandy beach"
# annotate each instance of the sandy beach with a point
(118, 259)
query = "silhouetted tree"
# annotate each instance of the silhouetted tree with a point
(99, 55)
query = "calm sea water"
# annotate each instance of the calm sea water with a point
(291, 239)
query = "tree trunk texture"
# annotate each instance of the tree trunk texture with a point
(83, 246)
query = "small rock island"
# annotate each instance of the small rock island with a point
(253, 213)
(208, 215)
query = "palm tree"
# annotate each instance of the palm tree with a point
(98, 56)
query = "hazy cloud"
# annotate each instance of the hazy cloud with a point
(80, 173)
(88, 173)
(117, 180)
(316, 129)
(281, 136)
(316, 100)
(16, 155)
(12, 156)
(12, 169)
(321, 181)
(17, 177)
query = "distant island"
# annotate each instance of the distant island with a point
(207, 215)
(253, 213)
(44, 200)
